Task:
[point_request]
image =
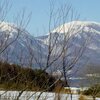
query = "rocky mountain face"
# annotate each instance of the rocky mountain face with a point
(79, 37)
(20, 45)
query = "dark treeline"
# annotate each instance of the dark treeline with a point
(15, 77)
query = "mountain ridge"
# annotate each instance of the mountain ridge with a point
(87, 28)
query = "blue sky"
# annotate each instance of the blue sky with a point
(88, 10)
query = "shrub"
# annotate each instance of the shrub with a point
(93, 90)
(14, 77)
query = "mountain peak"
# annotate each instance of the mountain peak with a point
(5, 26)
(84, 22)
(76, 25)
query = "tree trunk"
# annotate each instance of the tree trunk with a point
(94, 98)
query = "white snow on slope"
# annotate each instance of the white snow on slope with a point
(79, 30)
(24, 46)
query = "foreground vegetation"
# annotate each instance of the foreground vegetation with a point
(93, 91)
(15, 77)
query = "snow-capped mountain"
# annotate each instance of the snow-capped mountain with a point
(27, 49)
(80, 32)
(80, 36)
(20, 45)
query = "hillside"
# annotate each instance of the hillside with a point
(32, 51)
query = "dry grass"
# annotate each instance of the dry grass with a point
(82, 97)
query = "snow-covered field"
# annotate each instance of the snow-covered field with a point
(27, 95)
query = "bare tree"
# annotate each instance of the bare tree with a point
(21, 22)
(60, 47)
(60, 54)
